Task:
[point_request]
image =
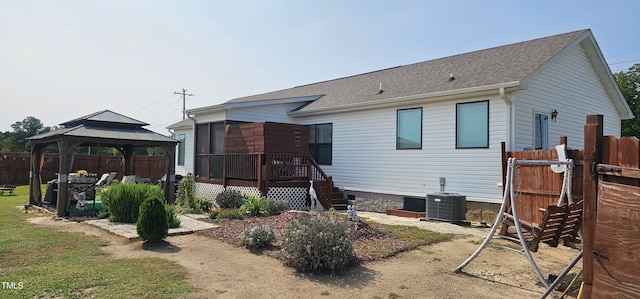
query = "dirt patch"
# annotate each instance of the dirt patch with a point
(221, 270)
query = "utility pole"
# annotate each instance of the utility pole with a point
(184, 95)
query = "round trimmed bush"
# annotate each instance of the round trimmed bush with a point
(278, 206)
(318, 244)
(229, 199)
(152, 224)
(258, 236)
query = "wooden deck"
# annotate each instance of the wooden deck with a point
(267, 155)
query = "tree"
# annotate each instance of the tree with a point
(28, 127)
(152, 224)
(629, 84)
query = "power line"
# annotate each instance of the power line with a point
(621, 62)
(146, 107)
(184, 95)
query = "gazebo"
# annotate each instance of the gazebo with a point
(103, 129)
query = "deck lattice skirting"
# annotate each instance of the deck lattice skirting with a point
(297, 197)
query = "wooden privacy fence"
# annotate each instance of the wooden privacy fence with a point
(607, 178)
(14, 167)
(612, 214)
(537, 186)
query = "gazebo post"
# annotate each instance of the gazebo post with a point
(35, 180)
(66, 151)
(127, 156)
(170, 169)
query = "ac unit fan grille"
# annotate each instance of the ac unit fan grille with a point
(450, 207)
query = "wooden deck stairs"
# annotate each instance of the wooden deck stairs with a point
(338, 201)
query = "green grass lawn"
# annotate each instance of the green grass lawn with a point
(40, 262)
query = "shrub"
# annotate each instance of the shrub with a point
(152, 224)
(256, 206)
(172, 216)
(123, 200)
(227, 213)
(278, 206)
(258, 236)
(103, 214)
(317, 244)
(204, 204)
(229, 199)
(186, 194)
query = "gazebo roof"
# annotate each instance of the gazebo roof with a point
(105, 128)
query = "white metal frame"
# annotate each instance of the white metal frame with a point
(509, 194)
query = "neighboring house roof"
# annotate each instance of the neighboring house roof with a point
(105, 128)
(506, 66)
(185, 123)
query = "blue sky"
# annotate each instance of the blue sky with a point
(63, 59)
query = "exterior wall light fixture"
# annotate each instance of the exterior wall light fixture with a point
(554, 115)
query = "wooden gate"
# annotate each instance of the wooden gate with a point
(612, 214)
(536, 185)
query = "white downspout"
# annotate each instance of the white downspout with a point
(509, 128)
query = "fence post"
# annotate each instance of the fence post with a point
(263, 176)
(563, 140)
(593, 132)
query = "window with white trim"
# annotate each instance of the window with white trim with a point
(181, 138)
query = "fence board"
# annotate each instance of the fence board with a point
(610, 150)
(14, 167)
(537, 186)
(617, 246)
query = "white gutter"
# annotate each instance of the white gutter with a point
(434, 96)
(510, 120)
(202, 109)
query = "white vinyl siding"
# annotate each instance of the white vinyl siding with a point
(211, 117)
(365, 157)
(272, 113)
(570, 86)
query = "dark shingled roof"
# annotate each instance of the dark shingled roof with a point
(504, 64)
(105, 128)
(106, 117)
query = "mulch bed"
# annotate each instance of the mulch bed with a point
(365, 236)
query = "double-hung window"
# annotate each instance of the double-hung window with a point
(472, 125)
(409, 128)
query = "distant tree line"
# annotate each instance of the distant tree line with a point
(16, 140)
(629, 83)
